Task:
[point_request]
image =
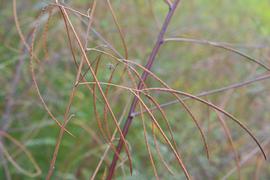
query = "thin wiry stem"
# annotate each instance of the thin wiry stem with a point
(108, 147)
(98, 85)
(66, 18)
(214, 91)
(126, 57)
(148, 147)
(91, 19)
(216, 108)
(168, 90)
(70, 9)
(158, 151)
(164, 84)
(94, 31)
(227, 131)
(230, 141)
(45, 35)
(152, 100)
(33, 56)
(218, 45)
(97, 116)
(82, 78)
(136, 93)
(118, 28)
(61, 133)
(140, 85)
(164, 117)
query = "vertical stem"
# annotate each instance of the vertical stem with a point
(144, 76)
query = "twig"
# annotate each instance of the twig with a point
(144, 76)
(214, 91)
(108, 147)
(218, 45)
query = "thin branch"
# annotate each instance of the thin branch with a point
(108, 147)
(65, 16)
(144, 76)
(218, 45)
(90, 23)
(94, 31)
(211, 92)
(243, 126)
(118, 28)
(33, 56)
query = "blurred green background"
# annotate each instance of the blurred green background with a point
(187, 67)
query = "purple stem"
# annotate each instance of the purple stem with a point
(144, 76)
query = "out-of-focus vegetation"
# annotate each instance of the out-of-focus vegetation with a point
(184, 66)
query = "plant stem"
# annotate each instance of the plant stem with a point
(211, 92)
(144, 76)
